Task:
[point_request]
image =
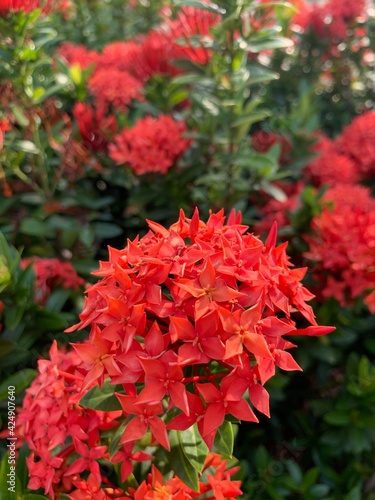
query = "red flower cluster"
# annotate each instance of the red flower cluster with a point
(47, 6)
(152, 145)
(77, 55)
(95, 128)
(152, 55)
(349, 158)
(357, 141)
(51, 273)
(189, 23)
(219, 484)
(65, 438)
(331, 165)
(342, 244)
(56, 429)
(193, 317)
(114, 88)
(332, 19)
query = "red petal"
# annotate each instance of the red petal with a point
(213, 417)
(241, 409)
(260, 398)
(286, 361)
(135, 429)
(159, 431)
(314, 331)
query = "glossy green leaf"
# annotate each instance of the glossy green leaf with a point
(20, 380)
(101, 398)
(211, 7)
(224, 439)
(180, 464)
(253, 117)
(267, 44)
(5, 492)
(194, 447)
(116, 438)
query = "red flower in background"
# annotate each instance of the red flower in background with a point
(152, 145)
(357, 141)
(331, 165)
(155, 57)
(95, 128)
(47, 6)
(50, 418)
(77, 55)
(153, 54)
(113, 88)
(191, 22)
(51, 273)
(342, 244)
(332, 19)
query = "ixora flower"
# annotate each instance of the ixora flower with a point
(152, 145)
(187, 324)
(191, 23)
(342, 243)
(113, 88)
(191, 318)
(52, 273)
(357, 141)
(95, 128)
(46, 6)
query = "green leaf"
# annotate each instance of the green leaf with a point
(87, 236)
(266, 44)
(266, 5)
(254, 117)
(50, 320)
(210, 104)
(19, 115)
(34, 227)
(116, 437)
(192, 78)
(101, 398)
(310, 478)
(180, 464)
(5, 493)
(57, 299)
(194, 447)
(20, 380)
(224, 440)
(211, 7)
(21, 467)
(274, 191)
(337, 418)
(106, 229)
(27, 147)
